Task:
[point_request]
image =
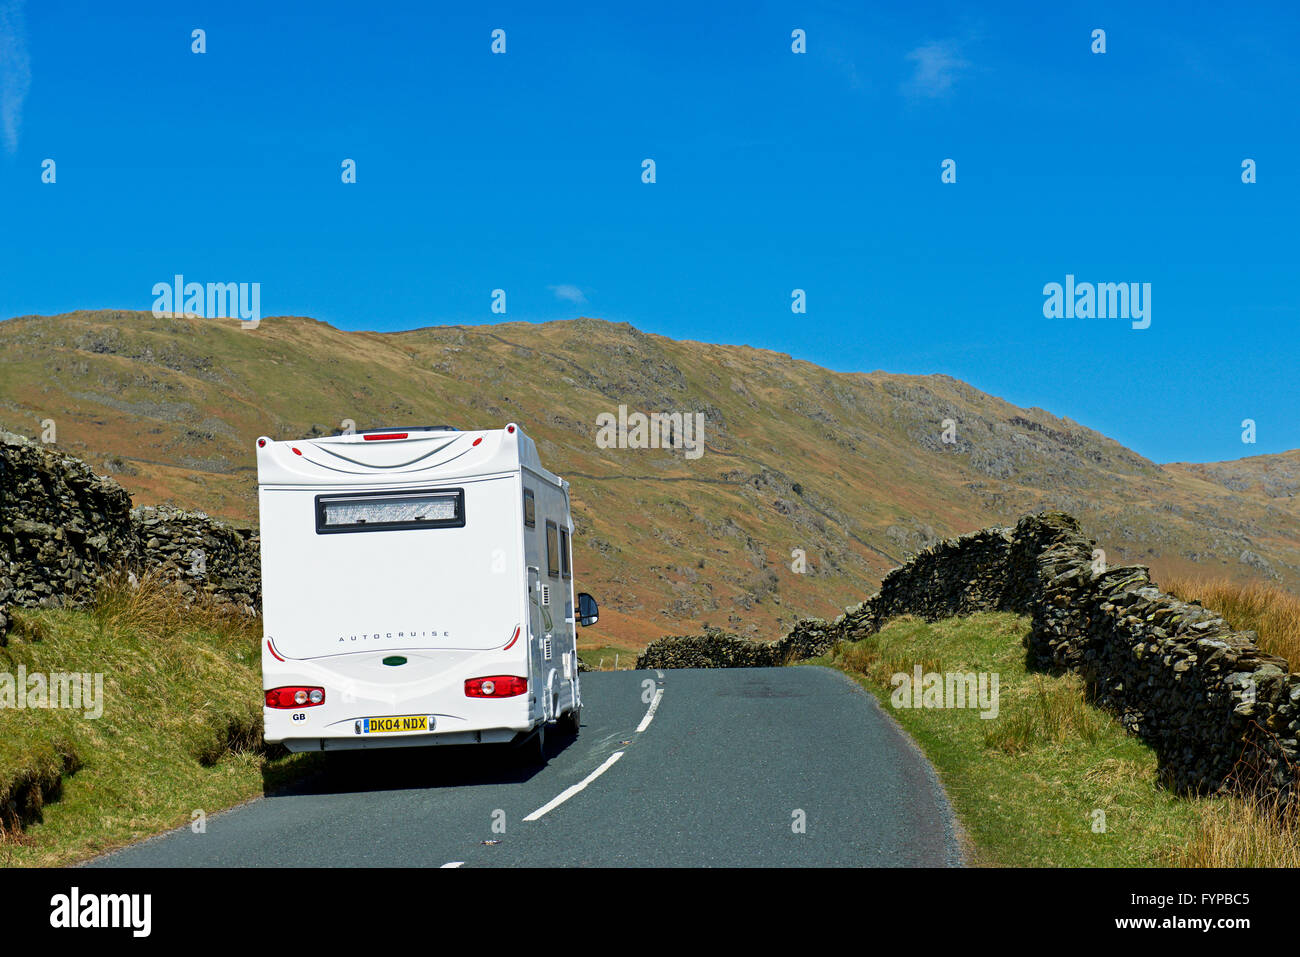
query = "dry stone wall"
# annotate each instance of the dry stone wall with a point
(990, 570)
(1215, 708)
(62, 528)
(204, 556)
(809, 638)
(1211, 703)
(711, 650)
(60, 524)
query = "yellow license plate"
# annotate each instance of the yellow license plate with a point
(409, 722)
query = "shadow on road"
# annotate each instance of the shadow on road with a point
(395, 769)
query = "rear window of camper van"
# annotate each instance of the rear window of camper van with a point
(565, 570)
(530, 509)
(378, 511)
(552, 550)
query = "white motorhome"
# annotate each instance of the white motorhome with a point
(417, 589)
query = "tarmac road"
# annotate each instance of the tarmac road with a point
(727, 767)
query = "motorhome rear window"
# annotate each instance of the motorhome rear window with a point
(381, 511)
(530, 508)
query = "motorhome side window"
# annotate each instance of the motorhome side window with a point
(565, 570)
(530, 509)
(386, 511)
(552, 550)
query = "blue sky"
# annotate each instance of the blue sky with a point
(775, 171)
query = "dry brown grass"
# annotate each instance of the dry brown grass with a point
(1246, 831)
(152, 607)
(1242, 832)
(1271, 612)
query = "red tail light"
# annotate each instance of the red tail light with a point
(496, 686)
(386, 436)
(295, 697)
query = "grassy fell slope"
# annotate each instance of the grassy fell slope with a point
(849, 467)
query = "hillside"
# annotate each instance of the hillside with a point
(851, 468)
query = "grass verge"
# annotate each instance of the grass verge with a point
(1051, 781)
(180, 729)
(608, 658)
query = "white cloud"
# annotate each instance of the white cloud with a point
(937, 67)
(569, 293)
(15, 70)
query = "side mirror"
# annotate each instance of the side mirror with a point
(588, 610)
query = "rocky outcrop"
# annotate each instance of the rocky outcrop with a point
(1214, 707)
(62, 528)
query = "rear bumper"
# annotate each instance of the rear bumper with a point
(360, 686)
(371, 742)
(483, 728)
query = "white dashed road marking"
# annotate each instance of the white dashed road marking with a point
(650, 715)
(609, 762)
(567, 793)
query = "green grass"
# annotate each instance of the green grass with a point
(603, 657)
(1027, 784)
(180, 730)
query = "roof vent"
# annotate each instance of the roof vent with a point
(409, 428)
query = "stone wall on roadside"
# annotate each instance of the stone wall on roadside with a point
(62, 528)
(711, 650)
(1214, 707)
(204, 556)
(994, 569)
(809, 638)
(1209, 701)
(61, 525)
